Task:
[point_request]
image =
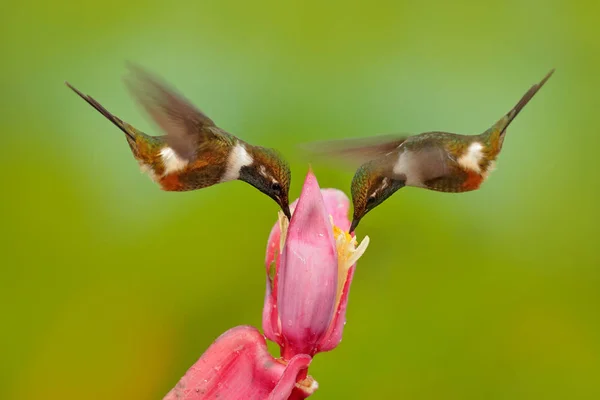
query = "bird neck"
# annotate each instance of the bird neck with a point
(239, 157)
(493, 140)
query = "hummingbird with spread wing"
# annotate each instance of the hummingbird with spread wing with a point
(194, 152)
(440, 161)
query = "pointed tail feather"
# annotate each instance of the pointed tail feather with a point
(501, 125)
(129, 131)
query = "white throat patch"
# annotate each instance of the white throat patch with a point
(471, 159)
(238, 158)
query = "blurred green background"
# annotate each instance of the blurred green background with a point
(112, 288)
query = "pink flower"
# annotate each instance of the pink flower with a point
(309, 271)
(310, 264)
(238, 366)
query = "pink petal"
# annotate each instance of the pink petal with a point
(334, 336)
(307, 276)
(287, 382)
(337, 204)
(270, 316)
(238, 366)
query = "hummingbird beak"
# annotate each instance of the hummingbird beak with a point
(354, 224)
(285, 207)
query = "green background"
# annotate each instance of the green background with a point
(112, 288)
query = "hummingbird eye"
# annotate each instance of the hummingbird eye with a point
(371, 200)
(276, 187)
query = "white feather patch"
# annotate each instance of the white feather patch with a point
(171, 161)
(238, 158)
(471, 159)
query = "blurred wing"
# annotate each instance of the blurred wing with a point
(186, 127)
(356, 152)
(435, 163)
(432, 168)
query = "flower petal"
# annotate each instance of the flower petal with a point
(238, 366)
(307, 276)
(337, 204)
(270, 317)
(288, 381)
(334, 336)
(348, 254)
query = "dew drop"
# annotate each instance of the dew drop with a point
(289, 323)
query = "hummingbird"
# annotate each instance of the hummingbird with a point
(194, 152)
(439, 161)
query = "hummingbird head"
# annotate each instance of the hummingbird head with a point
(370, 187)
(269, 173)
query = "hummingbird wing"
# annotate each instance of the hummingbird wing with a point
(429, 161)
(358, 151)
(436, 169)
(187, 128)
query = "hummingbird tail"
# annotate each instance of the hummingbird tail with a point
(510, 116)
(129, 131)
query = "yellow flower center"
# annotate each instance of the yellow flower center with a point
(348, 253)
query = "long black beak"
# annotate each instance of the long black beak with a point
(354, 224)
(285, 207)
